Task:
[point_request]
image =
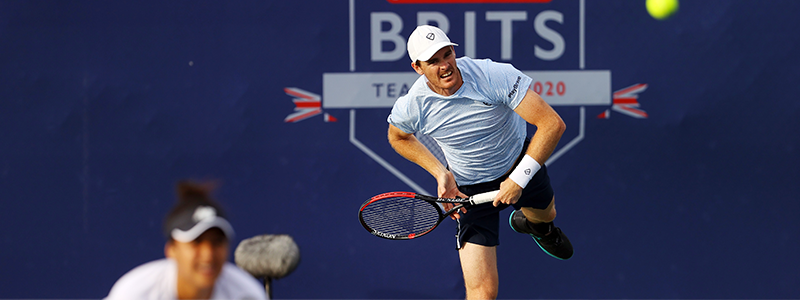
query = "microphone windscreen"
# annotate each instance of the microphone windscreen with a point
(271, 256)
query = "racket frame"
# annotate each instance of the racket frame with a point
(460, 202)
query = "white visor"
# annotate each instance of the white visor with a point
(201, 227)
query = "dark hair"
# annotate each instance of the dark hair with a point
(190, 195)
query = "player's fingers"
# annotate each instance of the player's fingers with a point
(448, 207)
(512, 201)
(504, 200)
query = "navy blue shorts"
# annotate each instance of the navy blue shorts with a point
(480, 224)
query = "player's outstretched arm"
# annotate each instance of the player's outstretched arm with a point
(408, 146)
(549, 125)
(549, 128)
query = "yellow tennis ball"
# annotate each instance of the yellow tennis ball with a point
(662, 9)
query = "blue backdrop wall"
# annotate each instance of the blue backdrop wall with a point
(684, 184)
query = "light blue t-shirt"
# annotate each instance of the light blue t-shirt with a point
(479, 132)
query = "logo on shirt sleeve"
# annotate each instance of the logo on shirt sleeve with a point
(515, 87)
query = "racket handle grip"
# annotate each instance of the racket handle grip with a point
(483, 197)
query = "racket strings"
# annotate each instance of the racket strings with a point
(400, 215)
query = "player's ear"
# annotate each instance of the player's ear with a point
(417, 67)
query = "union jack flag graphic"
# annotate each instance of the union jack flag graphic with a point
(306, 104)
(626, 101)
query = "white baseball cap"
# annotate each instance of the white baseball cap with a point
(425, 41)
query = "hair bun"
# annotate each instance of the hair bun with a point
(188, 190)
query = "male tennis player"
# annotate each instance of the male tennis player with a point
(196, 267)
(476, 110)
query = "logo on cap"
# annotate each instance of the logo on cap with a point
(204, 212)
(430, 36)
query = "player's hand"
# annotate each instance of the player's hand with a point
(454, 215)
(509, 193)
(449, 189)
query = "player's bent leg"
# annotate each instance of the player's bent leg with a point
(479, 265)
(538, 223)
(546, 215)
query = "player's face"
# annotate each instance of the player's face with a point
(443, 75)
(200, 261)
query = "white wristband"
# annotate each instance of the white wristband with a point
(525, 170)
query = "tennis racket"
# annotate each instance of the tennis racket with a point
(407, 215)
